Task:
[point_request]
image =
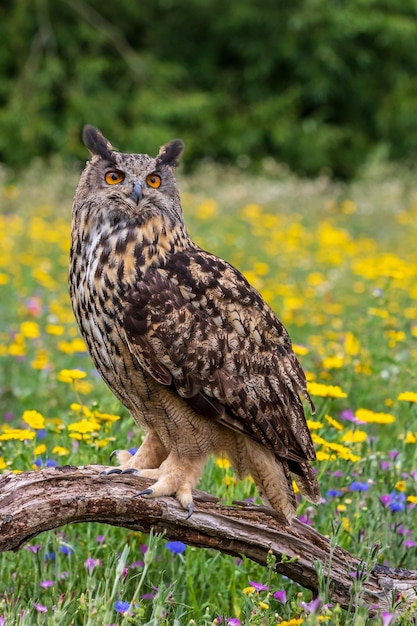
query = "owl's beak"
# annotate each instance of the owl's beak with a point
(137, 192)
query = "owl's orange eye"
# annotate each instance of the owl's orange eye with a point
(114, 177)
(153, 180)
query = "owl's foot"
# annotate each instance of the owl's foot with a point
(175, 477)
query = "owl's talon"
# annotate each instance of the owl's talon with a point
(115, 470)
(130, 470)
(114, 453)
(144, 492)
(190, 510)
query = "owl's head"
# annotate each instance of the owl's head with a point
(131, 185)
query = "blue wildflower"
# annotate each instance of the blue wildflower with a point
(176, 547)
(334, 493)
(357, 486)
(122, 607)
(397, 501)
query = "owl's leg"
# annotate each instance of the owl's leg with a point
(151, 454)
(177, 476)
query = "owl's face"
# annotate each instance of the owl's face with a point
(129, 185)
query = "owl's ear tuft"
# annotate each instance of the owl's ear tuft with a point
(96, 143)
(170, 153)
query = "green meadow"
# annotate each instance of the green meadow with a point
(338, 263)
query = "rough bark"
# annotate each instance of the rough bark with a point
(36, 501)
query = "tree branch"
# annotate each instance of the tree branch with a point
(36, 501)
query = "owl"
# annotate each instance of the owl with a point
(182, 339)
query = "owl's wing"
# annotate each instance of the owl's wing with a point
(197, 326)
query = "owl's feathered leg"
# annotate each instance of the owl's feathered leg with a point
(272, 479)
(151, 454)
(177, 476)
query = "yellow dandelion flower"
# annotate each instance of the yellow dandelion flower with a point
(69, 376)
(4, 279)
(54, 329)
(332, 362)
(412, 499)
(371, 417)
(354, 436)
(30, 330)
(325, 391)
(248, 590)
(295, 487)
(83, 387)
(106, 417)
(223, 463)
(41, 449)
(229, 480)
(292, 622)
(341, 508)
(352, 345)
(17, 434)
(314, 425)
(207, 209)
(299, 350)
(324, 456)
(407, 396)
(263, 605)
(34, 419)
(333, 422)
(40, 361)
(410, 438)
(102, 443)
(60, 451)
(400, 485)
(81, 408)
(84, 426)
(345, 521)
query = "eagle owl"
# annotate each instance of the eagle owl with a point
(201, 362)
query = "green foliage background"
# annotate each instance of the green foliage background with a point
(323, 85)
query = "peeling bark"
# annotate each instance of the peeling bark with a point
(37, 501)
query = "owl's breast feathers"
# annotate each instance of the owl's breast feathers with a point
(196, 325)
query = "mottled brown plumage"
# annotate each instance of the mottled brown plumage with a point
(180, 337)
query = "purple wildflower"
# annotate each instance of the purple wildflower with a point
(281, 596)
(46, 583)
(35, 548)
(349, 416)
(385, 499)
(385, 465)
(40, 607)
(313, 606)
(233, 621)
(67, 550)
(409, 543)
(387, 618)
(100, 538)
(258, 586)
(91, 563)
(393, 454)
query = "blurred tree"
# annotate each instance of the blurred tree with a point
(318, 84)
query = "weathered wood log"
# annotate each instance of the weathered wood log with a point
(36, 501)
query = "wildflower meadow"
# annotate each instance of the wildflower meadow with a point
(338, 263)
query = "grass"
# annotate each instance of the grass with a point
(338, 264)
